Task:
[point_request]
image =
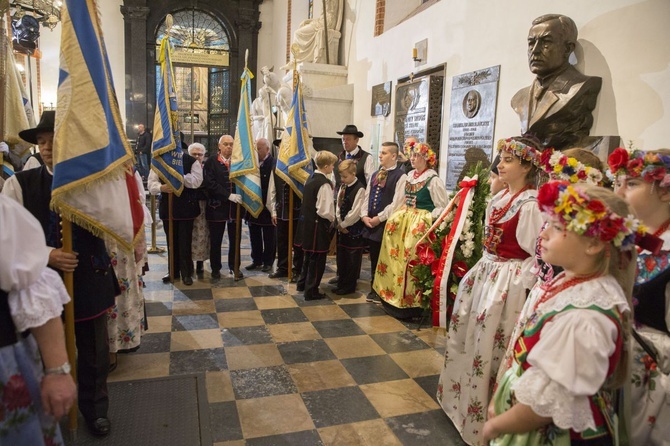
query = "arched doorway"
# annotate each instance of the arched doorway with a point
(202, 75)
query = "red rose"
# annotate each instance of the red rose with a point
(655, 175)
(459, 269)
(596, 206)
(15, 394)
(548, 193)
(545, 157)
(608, 229)
(618, 159)
(635, 165)
(425, 253)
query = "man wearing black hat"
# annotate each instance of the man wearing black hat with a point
(95, 284)
(364, 162)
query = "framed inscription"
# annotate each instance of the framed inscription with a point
(381, 99)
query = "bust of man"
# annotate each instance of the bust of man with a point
(557, 106)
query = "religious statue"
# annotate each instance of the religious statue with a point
(257, 117)
(310, 36)
(557, 107)
(266, 103)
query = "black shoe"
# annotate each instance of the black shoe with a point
(278, 275)
(300, 287)
(188, 280)
(342, 291)
(334, 281)
(239, 276)
(199, 267)
(200, 274)
(266, 268)
(99, 427)
(253, 266)
(166, 278)
(371, 296)
(216, 274)
(316, 296)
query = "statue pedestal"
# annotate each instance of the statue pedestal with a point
(328, 98)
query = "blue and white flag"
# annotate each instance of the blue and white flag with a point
(294, 164)
(93, 182)
(244, 170)
(166, 153)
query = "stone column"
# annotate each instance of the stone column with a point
(137, 109)
(247, 25)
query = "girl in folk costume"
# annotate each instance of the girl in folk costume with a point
(491, 294)
(572, 352)
(643, 179)
(425, 198)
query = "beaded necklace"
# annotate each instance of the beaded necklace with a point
(417, 174)
(552, 288)
(497, 214)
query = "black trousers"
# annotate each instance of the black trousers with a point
(312, 271)
(348, 266)
(282, 249)
(182, 241)
(263, 244)
(216, 230)
(375, 249)
(92, 366)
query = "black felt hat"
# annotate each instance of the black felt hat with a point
(46, 125)
(350, 129)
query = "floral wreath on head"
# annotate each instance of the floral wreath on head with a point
(636, 163)
(520, 150)
(424, 150)
(566, 168)
(587, 216)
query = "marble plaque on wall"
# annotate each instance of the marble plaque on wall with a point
(472, 115)
(381, 99)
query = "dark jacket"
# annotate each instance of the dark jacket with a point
(219, 187)
(313, 231)
(266, 169)
(185, 206)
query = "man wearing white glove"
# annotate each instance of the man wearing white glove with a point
(221, 206)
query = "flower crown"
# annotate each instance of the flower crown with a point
(566, 168)
(520, 150)
(584, 215)
(424, 150)
(649, 166)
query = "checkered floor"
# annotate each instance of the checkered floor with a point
(280, 370)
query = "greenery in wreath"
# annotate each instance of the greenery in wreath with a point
(468, 248)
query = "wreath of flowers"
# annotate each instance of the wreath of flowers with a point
(566, 168)
(468, 249)
(520, 150)
(422, 149)
(584, 215)
(649, 166)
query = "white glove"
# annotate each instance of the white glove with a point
(4, 148)
(235, 198)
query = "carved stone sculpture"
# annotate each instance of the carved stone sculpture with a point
(557, 107)
(310, 36)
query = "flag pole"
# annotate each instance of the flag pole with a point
(154, 249)
(4, 57)
(170, 240)
(68, 280)
(290, 193)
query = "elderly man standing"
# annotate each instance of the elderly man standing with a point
(95, 284)
(351, 150)
(383, 196)
(221, 208)
(262, 232)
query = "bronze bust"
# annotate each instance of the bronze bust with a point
(557, 106)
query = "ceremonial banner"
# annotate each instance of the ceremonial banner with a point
(244, 161)
(166, 153)
(294, 164)
(18, 113)
(93, 182)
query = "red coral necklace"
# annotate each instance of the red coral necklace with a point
(497, 214)
(552, 288)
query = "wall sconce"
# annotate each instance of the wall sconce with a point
(420, 52)
(415, 55)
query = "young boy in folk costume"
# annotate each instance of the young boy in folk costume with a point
(644, 181)
(316, 217)
(572, 352)
(350, 241)
(492, 293)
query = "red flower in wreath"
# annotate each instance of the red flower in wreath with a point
(609, 229)
(425, 253)
(15, 394)
(548, 194)
(596, 206)
(459, 269)
(618, 159)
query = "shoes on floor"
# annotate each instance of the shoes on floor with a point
(266, 268)
(372, 297)
(166, 278)
(342, 291)
(240, 276)
(253, 266)
(199, 267)
(300, 287)
(188, 280)
(316, 296)
(99, 427)
(278, 275)
(216, 274)
(200, 274)
(334, 280)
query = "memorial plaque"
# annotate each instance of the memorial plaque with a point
(472, 115)
(381, 99)
(418, 111)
